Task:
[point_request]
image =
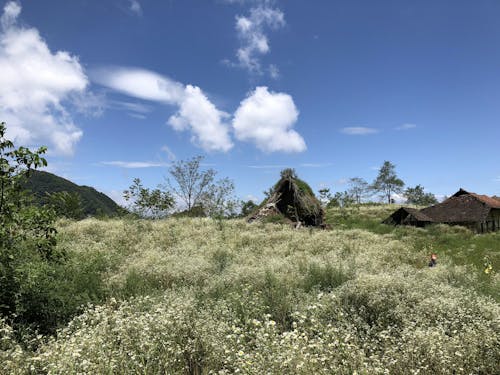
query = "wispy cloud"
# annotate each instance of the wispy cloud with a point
(406, 127)
(135, 164)
(359, 130)
(170, 155)
(135, 7)
(36, 85)
(268, 166)
(252, 30)
(315, 165)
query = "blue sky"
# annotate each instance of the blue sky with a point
(120, 88)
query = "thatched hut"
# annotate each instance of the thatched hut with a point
(480, 213)
(293, 199)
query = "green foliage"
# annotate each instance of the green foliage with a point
(247, 208)
(387, 182)
(145, 202)
(27, 235)
(67, 204)
(417, 196)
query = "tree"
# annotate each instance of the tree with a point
(387, 182)
(27, 234)
(358, 189)
(67, 204)
(190, 182)
(341, 199)
(324, 196)
(145, 202)
(417, 196)
(248, 207)
(218, 201)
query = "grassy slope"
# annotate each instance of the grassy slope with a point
(185, 296)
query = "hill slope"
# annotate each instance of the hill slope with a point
(93, 201)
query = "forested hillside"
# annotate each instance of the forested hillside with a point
(94, 202)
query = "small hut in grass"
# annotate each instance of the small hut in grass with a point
(292, 199)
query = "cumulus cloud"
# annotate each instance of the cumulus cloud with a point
(266, 119)
(36, 84)
(359, 130)
(252, 30)
(203, 119)
(195, 111)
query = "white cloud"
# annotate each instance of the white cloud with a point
(195, 111)
(135, 164)
(266, 119)
(406, 127)
(358, 130)
(35, 86)
(135, 7)
(205, 121)
(251, 31)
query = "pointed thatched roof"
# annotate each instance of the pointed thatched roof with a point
(292, 198)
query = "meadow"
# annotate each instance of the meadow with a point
(201, 296)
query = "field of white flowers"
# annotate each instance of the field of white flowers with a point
(197, 296)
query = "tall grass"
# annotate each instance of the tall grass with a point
(188, 296)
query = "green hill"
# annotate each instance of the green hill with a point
(93, 201)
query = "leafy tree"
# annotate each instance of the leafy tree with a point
(325, 196)
(145, 202)
(387, 182)
(358, 189)
(416, 195)
(218, 201)
(67, 204)
(247, 208)
(341, 199)
(27, 235)
(190, 183)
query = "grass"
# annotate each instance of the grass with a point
(191, 296)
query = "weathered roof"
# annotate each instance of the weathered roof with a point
(465, 208)
(401, 216)
(493, 202)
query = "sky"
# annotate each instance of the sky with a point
(120, 89)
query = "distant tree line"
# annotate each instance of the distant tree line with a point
(386, 185)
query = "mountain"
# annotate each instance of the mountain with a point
(94, 202)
